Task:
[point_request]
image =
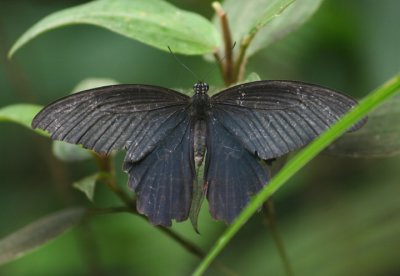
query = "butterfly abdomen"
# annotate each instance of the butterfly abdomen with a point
(199, 141)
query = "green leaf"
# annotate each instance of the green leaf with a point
(300, 160)
(246, 18)
(90, 83)
(21, 114)
(274, 9)
(292, 18)
(253, 76)
(38, 233)
(70, 152)
(380, 137)
(153, 22)
(87, 185)
(271, 20)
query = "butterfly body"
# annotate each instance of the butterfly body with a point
(167, 134)
(200, 104)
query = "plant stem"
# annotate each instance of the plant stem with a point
(227, 72)
(231, 72)
(269, 216)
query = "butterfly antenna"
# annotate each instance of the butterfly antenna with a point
(181, 63)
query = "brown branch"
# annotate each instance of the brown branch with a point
(228, 75)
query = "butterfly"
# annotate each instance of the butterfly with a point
(167, 135)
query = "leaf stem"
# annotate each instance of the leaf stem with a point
(269, 216)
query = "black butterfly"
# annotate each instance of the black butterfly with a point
(166, 135)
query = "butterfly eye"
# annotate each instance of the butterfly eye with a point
(206, 87)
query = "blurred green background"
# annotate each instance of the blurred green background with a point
(339, 216)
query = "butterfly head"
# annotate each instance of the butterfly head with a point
(200, 87)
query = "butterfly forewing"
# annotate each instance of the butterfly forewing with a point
(271, 118)
(136, 117)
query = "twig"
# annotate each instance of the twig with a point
(227, 72)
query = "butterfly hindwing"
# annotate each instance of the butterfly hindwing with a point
(136, 117)
(163, 181)
(272, 118)
(232, 173)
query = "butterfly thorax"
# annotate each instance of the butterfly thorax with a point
(200, 101)
(199, 108)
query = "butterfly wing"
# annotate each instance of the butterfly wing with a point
(272, 118)
(163, 180)
(136, 117)
(232, 173)
(148, 121)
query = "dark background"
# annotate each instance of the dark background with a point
(338, 216)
